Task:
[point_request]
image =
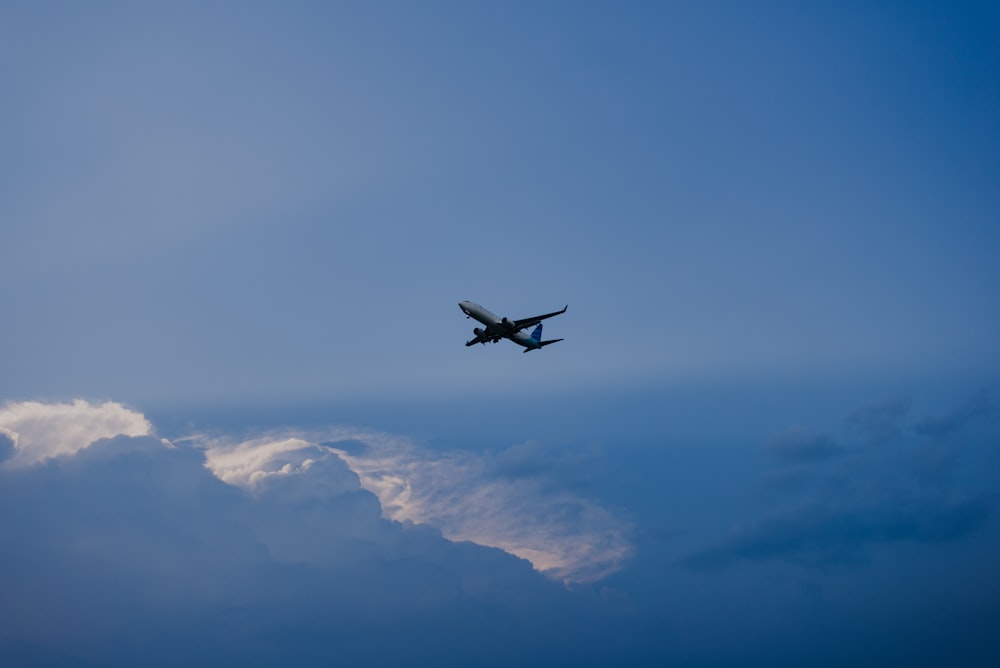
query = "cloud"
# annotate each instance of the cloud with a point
(575, 466)
(40, 431)
(6, 447)
(887, 487)
(820, 535)
(524, 500)
(563, 535)
(977, 406)
(520, 500)
(248, 463)
(798, 445)
(268, 551)
(880, 421)
(526, 508)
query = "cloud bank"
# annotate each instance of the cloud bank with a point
(121, 549)
(468, 496)
(493, 500)
(479, 498)
(884, 481)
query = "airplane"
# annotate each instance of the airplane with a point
(497, 328)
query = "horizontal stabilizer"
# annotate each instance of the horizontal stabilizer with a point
(542, 344)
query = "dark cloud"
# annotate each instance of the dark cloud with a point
(977, 406)
(270, 551)
(798, 445)
(789, 478)
(948, 440)
(133, 553)
(881, 421)
(565, 465)
(903, 490)
(819, 536)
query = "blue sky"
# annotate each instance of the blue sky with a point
(235, 236)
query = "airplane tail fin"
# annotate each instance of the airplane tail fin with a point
(537, 336)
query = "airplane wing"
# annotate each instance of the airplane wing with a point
(531, 322)
(480, 338)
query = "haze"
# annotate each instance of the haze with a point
(238, 422)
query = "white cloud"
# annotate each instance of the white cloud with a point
(41, 431)
(247, 463)
(564, 536)
(458, 492)
(131, 554)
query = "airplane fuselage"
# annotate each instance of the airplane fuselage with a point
(496, 328)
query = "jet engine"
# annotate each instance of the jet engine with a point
(477, 331)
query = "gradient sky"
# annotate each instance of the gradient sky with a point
(237, 418)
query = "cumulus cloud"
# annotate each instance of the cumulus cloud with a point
(521, 500)
(265, 551)
(40, 431)
(498, 500)
(6, 447)
(248, 463)
(562, 534)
